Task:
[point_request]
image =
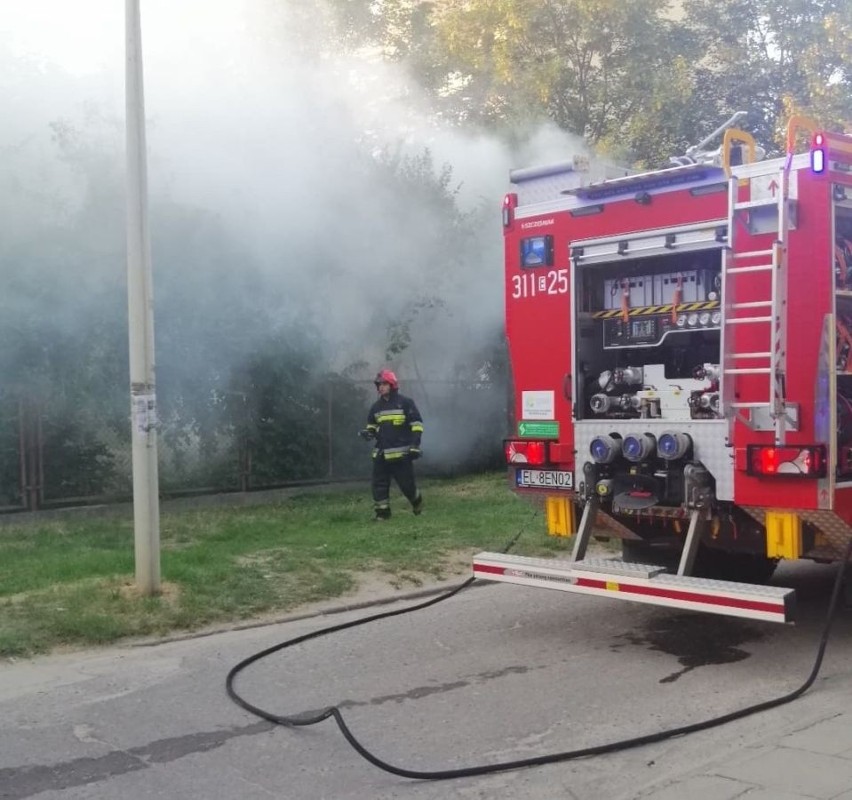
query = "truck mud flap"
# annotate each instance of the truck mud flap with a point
(640, 583)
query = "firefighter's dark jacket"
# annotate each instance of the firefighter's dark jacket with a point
(397, 425)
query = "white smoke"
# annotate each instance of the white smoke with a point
(253, 122)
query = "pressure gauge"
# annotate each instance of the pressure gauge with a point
(716, 317)
(704, 318)
(681, 321)
(692, 320)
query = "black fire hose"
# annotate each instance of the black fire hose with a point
(552, 758)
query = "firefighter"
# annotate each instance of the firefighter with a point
(396, 426)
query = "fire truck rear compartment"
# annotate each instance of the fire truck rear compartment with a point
(648, 362)
(648, 338)
(649, 432)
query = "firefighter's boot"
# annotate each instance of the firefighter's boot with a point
(417, 505)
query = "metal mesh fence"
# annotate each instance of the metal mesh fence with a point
(53, 453)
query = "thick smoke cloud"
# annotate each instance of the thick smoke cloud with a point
(271, 194)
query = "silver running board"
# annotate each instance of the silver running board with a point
(640, 583)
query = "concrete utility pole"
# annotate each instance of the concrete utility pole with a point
(143, 397)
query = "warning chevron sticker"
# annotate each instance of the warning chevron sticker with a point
(646, 310)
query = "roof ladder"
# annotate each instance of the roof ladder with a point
(766, 313)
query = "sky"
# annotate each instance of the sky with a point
(85, 37)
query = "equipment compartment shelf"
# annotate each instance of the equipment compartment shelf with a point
(843, 331)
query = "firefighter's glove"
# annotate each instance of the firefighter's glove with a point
(366, 434)
(415, 453)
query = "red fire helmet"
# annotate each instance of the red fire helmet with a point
(386, 376)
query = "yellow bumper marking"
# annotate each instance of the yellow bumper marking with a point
(783, 534)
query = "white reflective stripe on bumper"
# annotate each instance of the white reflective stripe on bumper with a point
(641, 583)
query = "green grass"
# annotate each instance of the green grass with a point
(71, 583)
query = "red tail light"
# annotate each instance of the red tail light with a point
(525, 451)
(808, 461)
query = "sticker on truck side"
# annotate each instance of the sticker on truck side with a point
(544, 479)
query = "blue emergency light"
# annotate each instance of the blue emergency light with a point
(818, 153)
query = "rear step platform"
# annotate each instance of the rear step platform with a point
(641, 583)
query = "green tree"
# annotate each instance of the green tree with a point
(774, 59)
(640, 80)
(618, 74)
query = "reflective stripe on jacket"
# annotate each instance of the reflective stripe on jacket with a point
(397, 424)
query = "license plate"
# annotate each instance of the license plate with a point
(544, 478)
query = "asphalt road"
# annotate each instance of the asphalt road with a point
(494, 674)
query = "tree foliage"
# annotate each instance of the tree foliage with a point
(639, 80)
(775, 59)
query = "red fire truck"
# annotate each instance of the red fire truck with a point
(681, 351)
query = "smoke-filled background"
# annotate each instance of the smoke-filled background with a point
(310, 224)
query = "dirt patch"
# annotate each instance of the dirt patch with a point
(377, 586)
(170, 592)
(258, 559)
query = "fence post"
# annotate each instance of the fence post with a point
(31, 451)
(22, 455)
(330, 420)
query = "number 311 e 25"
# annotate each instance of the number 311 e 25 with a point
(530, 284)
